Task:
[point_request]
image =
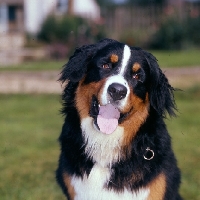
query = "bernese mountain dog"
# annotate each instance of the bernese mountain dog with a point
(114, 141)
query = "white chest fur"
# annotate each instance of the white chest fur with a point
(104, 151)
(93, 187)
(101, 148)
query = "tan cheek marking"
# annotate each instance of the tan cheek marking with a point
(157, 188)
(136, 67)
(135, 119)
(114, 58)
(84, 95)
(70, 188)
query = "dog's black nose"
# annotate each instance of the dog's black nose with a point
(117, 91)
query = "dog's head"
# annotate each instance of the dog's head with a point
(118, 85)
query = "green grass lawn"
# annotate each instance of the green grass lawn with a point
(187, 58)
(185, 134)
(31, 124)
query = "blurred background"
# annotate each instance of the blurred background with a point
(36, 39)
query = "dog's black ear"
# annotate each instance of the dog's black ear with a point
(77, 65)
(161, 93)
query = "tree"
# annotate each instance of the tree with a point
(145, 2)
(70, 7)
(106, 3)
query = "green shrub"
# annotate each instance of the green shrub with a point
(193, 30)
(135, 37)
(169, 36)
(174, 33)
(67, 32)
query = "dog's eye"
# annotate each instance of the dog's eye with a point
(136, 76)
(106, 66)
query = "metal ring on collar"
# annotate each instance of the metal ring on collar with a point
(149, 154)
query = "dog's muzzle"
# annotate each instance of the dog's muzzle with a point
(117, 91)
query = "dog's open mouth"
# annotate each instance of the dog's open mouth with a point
(106, 117)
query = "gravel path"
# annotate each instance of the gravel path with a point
(46, 81)
(183, 78)
(30, 82)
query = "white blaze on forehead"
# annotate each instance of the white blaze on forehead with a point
(125, 59)
(118, 78)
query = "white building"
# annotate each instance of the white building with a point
(86, 8)
(18, 17)
(28, 15)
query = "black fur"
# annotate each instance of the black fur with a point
(161, 92)
(77, 66)
(153, 133)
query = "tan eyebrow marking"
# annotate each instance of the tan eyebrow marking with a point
(114, 58)
(136, 67)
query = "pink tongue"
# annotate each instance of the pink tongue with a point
(107, 119)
